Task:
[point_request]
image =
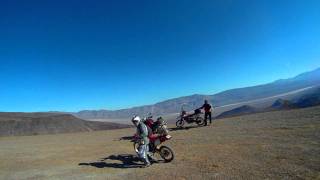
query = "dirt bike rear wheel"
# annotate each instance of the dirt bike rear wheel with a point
(166, 153)
(180, 123)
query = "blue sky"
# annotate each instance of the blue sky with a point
(74, 55)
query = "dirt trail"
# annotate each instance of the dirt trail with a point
(273, 145)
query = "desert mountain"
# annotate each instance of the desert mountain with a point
(282, 104)
(238, 95)
(48, 123)
(242, 110)
(308, 98)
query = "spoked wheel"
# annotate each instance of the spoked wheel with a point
(180, 123)
(200, 121)
(136, 147)
(166, 153)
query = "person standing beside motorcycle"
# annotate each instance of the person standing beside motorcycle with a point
(207, 112)
(142, 132)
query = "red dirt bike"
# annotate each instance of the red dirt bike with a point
(196, 117)
(155, 147)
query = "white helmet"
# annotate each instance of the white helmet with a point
(136, 119)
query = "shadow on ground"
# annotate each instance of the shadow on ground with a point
(127, 138)
(126, 161)
(183, 128)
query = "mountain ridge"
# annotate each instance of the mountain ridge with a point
(17, 124)
(306, 79)
(305, 100)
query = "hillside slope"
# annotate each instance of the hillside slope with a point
(242, 110)
(273, 145)
(48, 123)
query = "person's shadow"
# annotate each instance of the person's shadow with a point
(126, 138)
(126, 161)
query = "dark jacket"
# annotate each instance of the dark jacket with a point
(206, 107)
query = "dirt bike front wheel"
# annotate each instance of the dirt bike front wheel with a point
(166, 153)
(136, 147)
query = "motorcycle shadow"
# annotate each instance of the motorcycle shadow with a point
(183, 128)
(126, 161)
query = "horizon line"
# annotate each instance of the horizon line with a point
(152, 104)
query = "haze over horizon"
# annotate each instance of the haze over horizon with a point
(76, 55)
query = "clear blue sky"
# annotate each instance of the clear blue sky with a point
(72, 55)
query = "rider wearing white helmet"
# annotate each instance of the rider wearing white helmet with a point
(142, 132)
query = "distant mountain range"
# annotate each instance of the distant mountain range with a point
(298, 92)
(311, 98)
(304, 80)
(14, 123)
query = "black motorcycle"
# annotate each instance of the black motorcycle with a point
(184, 117)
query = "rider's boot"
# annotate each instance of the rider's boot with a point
(151, 157)
(146, 162)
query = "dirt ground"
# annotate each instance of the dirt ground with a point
(273, 145)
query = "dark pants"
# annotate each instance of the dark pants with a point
(206, 114)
